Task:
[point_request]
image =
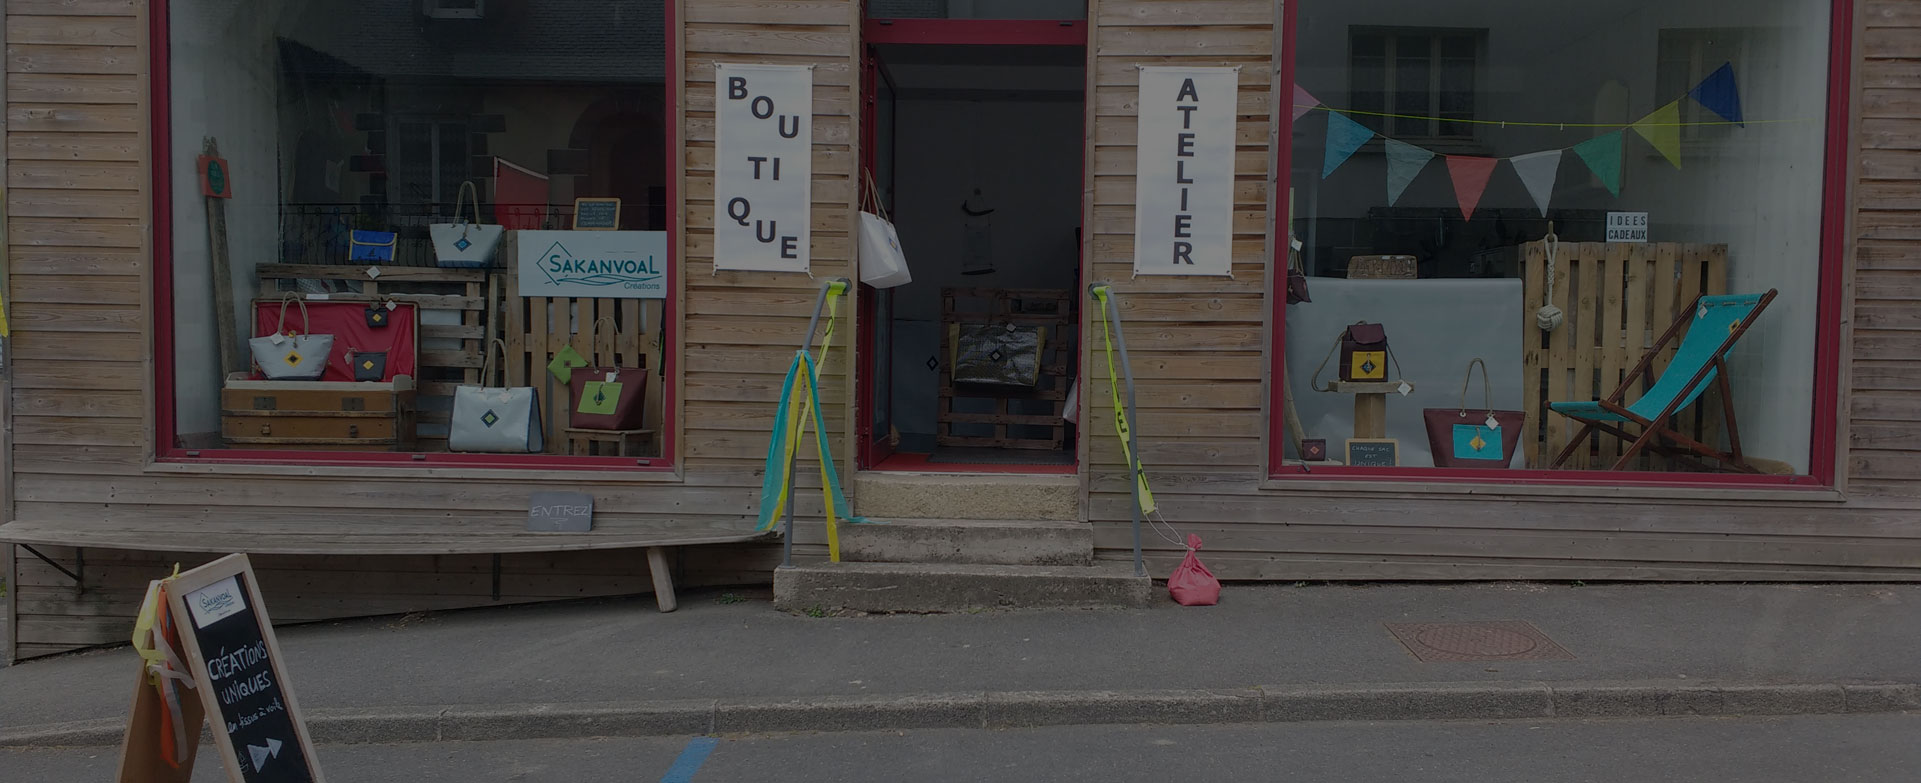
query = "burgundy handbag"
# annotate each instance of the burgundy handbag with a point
(1296, 279)
(608, 398)
(1474, 438)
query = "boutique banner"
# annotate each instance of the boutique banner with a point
(763, 166)
(1184, 175)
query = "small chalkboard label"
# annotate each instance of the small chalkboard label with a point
(560, 512)
(1373, 452)
(596, 214)
(236, 664)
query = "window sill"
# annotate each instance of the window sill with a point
(580, 475)
(1599, 493)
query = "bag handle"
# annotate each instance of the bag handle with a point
(870, 194)
(487, 364)
(466, 188)
(281, 328)
(593, 337)
(1487, 386)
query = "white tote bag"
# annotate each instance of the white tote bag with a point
(287, 356)
(882, 264)
(495, 419)
(464, 244)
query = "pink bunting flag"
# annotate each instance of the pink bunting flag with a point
(1303, 102)
(1470, 180)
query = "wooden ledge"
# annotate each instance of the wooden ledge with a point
(357, 537)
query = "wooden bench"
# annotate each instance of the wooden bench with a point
(314, 535)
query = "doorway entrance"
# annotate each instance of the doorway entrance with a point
(973, 143)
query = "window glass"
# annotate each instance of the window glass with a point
(360, 142)
(1656, 149)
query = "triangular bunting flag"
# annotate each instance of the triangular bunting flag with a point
(1470, 180)
(1663, 130)
(1538, 171)
(1404, 163)
(1602, 154)
(1344, 136)
(1718, 94)
(1303, 102)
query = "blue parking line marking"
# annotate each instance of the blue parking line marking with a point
(690, 760)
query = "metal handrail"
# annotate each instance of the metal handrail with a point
(806, 344)
(1112, 308)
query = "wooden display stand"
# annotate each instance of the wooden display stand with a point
(1370, 404)
(1616, 299)
(318, 415)
(1050, 309)
(581, 441)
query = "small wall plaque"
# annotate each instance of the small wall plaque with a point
(560, 512)
(1373, 452)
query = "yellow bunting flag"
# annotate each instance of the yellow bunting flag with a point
(1120, 411)
(1663, 130)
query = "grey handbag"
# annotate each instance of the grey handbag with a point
(495, 419)
(286, 356)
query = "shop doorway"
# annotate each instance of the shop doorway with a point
(973, 142)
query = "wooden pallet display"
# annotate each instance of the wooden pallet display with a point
(1618, 298)
(535, 328)
(1023, 307)
(462, 292)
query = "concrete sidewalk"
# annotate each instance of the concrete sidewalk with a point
(1266, 653)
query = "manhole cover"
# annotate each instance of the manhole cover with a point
(1498, 640)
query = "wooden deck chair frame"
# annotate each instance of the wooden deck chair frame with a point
(1653, 431)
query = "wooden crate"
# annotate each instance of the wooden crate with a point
(464, 293)
(318, 415)
(1618, 298)
(1050, 309)
(535, 328)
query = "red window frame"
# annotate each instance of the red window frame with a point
(1834, 227)
(161, 112)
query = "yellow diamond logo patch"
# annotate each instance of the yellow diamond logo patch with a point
(1477, 443)
(367, 364)
(293, 358)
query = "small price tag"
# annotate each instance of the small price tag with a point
(373, 272)
(391, 305)
(1404, 389)
(275, 338)
(1492, 424)
(611, 375)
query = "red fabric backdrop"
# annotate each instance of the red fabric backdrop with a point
(347, 322)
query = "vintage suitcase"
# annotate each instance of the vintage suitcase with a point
(318, 415)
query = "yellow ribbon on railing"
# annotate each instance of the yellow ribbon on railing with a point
(1120, 410)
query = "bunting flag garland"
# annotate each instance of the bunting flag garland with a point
(1717, 94)
(1303, 102)
(1538, 171)
(1663, 130)
(1470, 180)
(1404, 163)
(1602, 154)
(1344, 136)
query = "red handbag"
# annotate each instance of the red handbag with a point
(1476, 438)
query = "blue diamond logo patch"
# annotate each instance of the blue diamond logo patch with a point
(489, 418)
(462, 243)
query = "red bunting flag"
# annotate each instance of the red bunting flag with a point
(1470, 180)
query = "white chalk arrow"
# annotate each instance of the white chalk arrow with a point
(260, 754)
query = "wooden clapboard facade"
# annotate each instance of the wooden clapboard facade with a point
(80, 241)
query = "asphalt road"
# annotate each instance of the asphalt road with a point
(1831, 749)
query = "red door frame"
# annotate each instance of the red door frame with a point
(160, 113)
(873, 447)
(1834, 227)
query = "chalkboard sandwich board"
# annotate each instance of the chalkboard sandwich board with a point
(1373, 452)
(596, 214)
(228, 644)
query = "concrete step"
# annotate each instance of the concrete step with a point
(984, 542)
(986, 496)
(952, 587)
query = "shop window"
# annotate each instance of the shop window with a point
(1655, 150)
(977, 9)
(358, 141)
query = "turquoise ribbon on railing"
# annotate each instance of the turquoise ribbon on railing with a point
(789, 430)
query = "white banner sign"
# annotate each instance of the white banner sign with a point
(763, 166)
(1184, 183)
(602, 264)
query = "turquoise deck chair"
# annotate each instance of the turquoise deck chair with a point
(1714, 324)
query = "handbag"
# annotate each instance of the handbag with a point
(461, 244)
(1296, 278)
(369, 365)
(608, 398)
(287, 356)
(882, 264)
(1480, 438)
(378, 316)
(1364, 356)
(375, 246)
(997, 354)
(495, 419)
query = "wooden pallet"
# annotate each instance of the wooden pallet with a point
(1618, 298)
(1049, 308)
(535, 328)
(462, 292)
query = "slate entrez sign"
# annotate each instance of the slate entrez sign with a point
(603, 264)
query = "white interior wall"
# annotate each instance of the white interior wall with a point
(1756, 189)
